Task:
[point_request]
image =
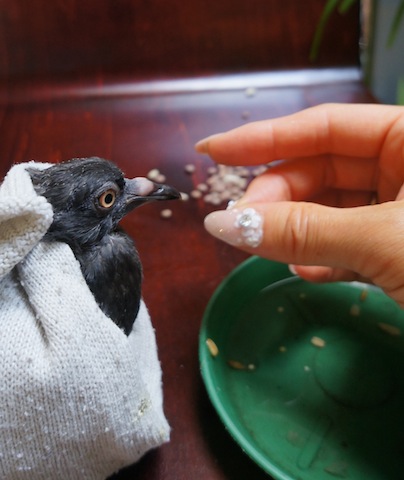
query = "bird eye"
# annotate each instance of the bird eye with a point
(107, 199)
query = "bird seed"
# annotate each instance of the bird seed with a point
(166, 213)
(318, 342)
(364, 295)
(196, 194)
(250, 92)
(212, 347)
(390, 329)
(236, 365)
(202, 187)
(190, 168)
(355, 310)
(160, 178)
(153, 174)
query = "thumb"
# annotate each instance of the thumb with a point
(365, 240)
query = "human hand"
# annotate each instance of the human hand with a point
(335, 156)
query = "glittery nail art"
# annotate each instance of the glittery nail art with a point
(249, 221)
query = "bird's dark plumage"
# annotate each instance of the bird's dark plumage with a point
(89, 197)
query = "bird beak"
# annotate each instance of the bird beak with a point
(140, 190)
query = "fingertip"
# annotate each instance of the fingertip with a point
(323, 274)
(313, 273)
(292, 269)
(202, 146)
(241, 228)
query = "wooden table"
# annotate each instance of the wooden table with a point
(155, 124)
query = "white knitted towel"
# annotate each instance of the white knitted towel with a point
(78, 398)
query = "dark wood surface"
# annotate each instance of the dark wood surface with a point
(76, 39)
(142, 128)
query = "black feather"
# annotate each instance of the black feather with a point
(108, 257)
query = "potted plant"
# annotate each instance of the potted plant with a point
(382, 44)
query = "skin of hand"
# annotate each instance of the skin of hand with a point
(333, 207)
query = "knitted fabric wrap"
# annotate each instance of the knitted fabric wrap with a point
(78, 398)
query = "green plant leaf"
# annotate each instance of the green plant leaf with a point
(346, 5)
(400, 91)
(329, 8)
(398, 17)
(343, 6)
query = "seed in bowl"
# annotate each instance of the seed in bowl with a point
(236, 365)
(355, 310)
(390, 329)
(212, 347)
(318, 342)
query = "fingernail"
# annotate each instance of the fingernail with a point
(292, 269)
(238, 227)
(203, 145)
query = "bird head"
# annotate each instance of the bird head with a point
(90, 196)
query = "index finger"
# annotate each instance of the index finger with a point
(342, 129)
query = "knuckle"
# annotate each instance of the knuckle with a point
(299, 234)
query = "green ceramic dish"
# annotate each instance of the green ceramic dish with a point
(308, 379)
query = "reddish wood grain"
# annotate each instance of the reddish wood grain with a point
(77, 39)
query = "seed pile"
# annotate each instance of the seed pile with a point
(222, 184)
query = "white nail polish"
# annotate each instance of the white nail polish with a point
(249, 221)
(238, 227)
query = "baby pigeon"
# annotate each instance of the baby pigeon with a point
(89, 197)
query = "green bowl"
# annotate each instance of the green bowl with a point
(308, 378)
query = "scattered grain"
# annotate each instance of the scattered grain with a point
(243, 171)
(259, 170)
(283, 349)
(212, 347)
(364, 295)
(196, 194)
(390, 329)
(160, 178)
(184, 196)
(318, 342)
(190, 168)
(236, 365)
(355, 310)
(166, 213)
(213, 199)
(153, 174)
(280, 309)
(202, 187)
(250, 92)
(222, 183)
